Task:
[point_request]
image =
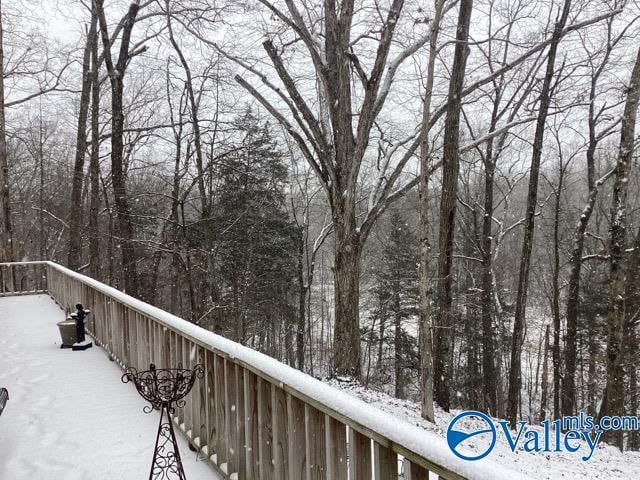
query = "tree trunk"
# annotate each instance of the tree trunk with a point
(335, 152)
(200, 180)
(633, 439)
(573, 300)
(489, 385)
(398, 361)
(6, 229)
(346, 343)
(471, 339)
(631, 345)
(545, 375)
(613, 403)
(302, 304)
(74, 256)
(381, 330)
(289, 354)
(425, 332)
(450, 167)
(123, 213)
(592, 368)
(555, 300)
(575, 260)
(515, 374)
(41, 233)
(168, 232)
(94, 166)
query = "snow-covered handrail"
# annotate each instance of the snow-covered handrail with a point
(252, 416)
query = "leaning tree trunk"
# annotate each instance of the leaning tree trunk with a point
(515, 374)
(575, 260)
(613, 402)
(75, 220)
(573, 301)
(6, 230)
(448, 203)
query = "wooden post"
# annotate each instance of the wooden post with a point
(413, 471)
(187, 412)
(315, 443)
(231, 431)
(279, 412)
(201, 397)
(359, 456)
(221, 452)
(240, 422)
(336, 443)
(385, 463)
(126, 337)
(210, 381)
(166, 349)
(252, 454)
(265, 437)
(297, 455)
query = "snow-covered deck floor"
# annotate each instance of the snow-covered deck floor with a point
(69, 417)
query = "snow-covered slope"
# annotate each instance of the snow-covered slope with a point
(606, 463)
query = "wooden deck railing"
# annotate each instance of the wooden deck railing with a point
(250, 416)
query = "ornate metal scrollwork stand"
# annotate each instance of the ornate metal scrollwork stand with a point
(164, 388)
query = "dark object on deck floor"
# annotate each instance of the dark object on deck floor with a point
(4, 396)
(72, 330)
(164, 387)
(81, 340)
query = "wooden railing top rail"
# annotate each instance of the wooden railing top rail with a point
(420, 446)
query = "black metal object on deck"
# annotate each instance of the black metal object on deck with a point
(4, 397)
(81, 338)
(164, 388)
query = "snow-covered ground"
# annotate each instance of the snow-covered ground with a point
(69, 417)
(606, 463)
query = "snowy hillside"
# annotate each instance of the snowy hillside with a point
(606, 463)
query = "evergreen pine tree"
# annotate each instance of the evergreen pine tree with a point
(396, 294)
(256, 242)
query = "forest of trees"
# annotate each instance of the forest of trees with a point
(437, 199)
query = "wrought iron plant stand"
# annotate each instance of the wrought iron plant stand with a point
(164, 389)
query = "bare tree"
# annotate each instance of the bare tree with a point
(448, 203)
(94, 166)
(613, 396)
(6, 230)
(116, 76)
(515, 374)
(594, 119)
(197, 137)
(425, 327)
(75, 220)
(331, 146)
(308, 246)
